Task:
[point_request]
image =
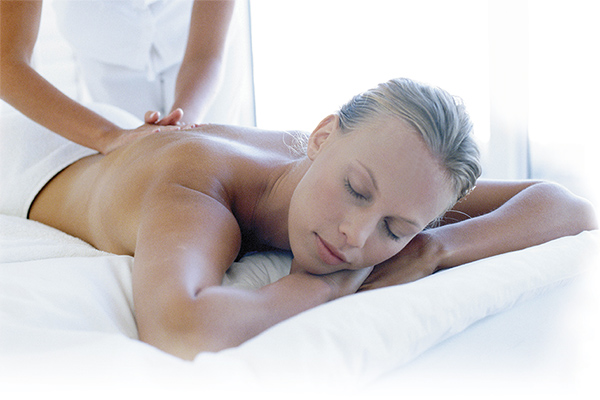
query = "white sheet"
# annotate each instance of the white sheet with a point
(67, 321)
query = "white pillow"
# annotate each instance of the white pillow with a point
(67, 305)
(358, 338)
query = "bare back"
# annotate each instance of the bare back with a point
(99, 198)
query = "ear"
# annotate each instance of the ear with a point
(320, 135)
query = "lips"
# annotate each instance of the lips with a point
(328, 253)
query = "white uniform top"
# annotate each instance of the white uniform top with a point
(143, 35)
(129, 52)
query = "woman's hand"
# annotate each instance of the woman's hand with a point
(341, 283)
(346, 281)
(417, 260)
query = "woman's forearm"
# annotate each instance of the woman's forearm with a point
(537, 214)
(240, 315)
(223, 317)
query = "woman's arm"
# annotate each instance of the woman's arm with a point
(26, 90)
(186, 241)
(200, 71)
(497, 217)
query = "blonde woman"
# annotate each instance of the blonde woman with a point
(371, 201)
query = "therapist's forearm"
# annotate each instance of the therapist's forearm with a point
(196, 87)
(27, 91)
(538, 214)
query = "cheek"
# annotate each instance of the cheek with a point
(321, 200)
(315, 207)
(305, 211)
(327, 198)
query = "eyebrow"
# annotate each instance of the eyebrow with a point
(374, 181)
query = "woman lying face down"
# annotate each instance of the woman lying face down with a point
(383, 168)
(352, 208)
(365, 195)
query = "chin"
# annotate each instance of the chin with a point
(323, 270)
(311, 266)
(307, 259)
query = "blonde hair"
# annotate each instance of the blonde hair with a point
(439, 117)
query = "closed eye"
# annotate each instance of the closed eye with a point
(353, 192)
(389, 232)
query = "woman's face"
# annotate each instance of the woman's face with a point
(366, 194)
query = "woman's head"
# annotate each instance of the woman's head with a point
(440, 118)
(393, 160)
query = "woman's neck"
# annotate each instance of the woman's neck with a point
(272, 208)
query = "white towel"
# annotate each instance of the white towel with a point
(31, 155)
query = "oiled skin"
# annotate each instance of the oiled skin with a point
(98, 198)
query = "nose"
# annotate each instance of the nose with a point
(357, 228)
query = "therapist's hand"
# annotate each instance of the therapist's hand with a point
(174, 118)
(153, 123)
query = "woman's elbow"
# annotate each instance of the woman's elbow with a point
(187, 326)
(183, 343)
(578, 214)
(587, 212)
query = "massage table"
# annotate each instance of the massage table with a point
(520, 324)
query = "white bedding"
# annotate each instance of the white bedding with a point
(67, 325)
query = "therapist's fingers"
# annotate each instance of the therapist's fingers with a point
(151, 117)
(174, 118)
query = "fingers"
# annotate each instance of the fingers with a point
(151, 117)
(165, 128)
(171, 122)
(174, 118)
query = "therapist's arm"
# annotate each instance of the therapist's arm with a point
(27, 91)
(200, 72)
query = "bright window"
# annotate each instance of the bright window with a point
(526, 69)
(310, 57)
(564, 100)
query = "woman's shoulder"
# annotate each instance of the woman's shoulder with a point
(286, 143)
(219, 140)
(220, 146)
(206, 157)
